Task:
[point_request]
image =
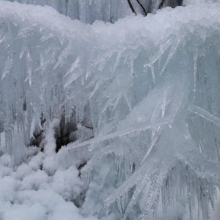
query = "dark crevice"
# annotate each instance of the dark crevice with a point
(37, 138)
(78, 202)
(81, 165)
(65, 133)
(38, 135)
(170, 3)
(161, 4)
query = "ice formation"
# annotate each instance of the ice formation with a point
(142, 97)
(108, 11)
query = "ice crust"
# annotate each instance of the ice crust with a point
(152, 87)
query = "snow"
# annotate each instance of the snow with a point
(145, 95)
(30, 191)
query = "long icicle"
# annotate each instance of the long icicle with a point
(157, 123)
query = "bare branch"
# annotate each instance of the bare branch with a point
(145, 13)
(131, 6)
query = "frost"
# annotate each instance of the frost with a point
(142, 97)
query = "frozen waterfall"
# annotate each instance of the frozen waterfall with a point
(89, 11)
(113, 119)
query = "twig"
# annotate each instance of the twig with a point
(145, 13)
(87, 126)
(129, 2)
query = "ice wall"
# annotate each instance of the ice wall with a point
(87, 11)
(151, 84)
(108, 11)
(193, 2)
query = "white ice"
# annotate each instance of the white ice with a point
(150, 88)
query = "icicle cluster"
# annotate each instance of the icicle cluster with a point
(108, 11)
(150, 87)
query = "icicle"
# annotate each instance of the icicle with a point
(195, 59)
(156, 123)
(204, 114)
(135, 195)
(171, 53)
(152, 144)
(155, 188)
(8, 66)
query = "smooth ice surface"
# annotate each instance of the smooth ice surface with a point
(150, 88)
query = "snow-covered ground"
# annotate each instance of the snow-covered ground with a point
(45, 186)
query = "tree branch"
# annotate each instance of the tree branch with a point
(131, 6)
(145, 13)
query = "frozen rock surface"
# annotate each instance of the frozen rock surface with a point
(149, 89)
